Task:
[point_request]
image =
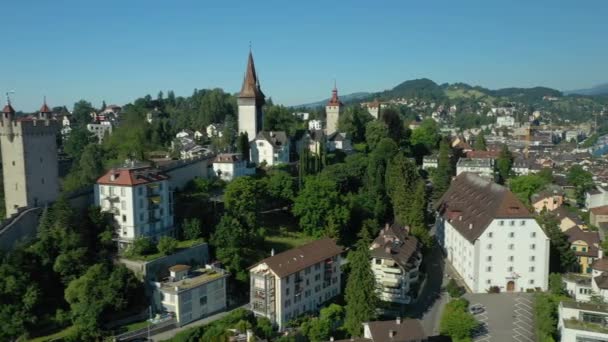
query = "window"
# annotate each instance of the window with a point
(489, 246)
(287, 291)
(378, 261)
(307, 270)
(317, 267)
(511, 234)
(203, 300)
(42, 180)
(123, 205)
(489, 269)
(140, 191)
(532, 258)
(531, 281)
(102, 189)
(488, 282)
(141, 217)
(531, 268)
(511, 246)
(501, 223)
(584, 249)
(124, 218)
(510, 269)
(490, 234)
(489, 258)
(522, 223)
(512, 223)
(532, 246)
(533, 234)
(122, 191)
(511, 258)
(573, 248)
(287, 303)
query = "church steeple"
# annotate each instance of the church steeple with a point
(251, 99)
(45, 111)
(251, 83)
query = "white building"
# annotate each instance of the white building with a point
(490, 237)
(250, 102)
(228, 166)
(297, 281)
(483, 167)
(505, 121)
(214, 130)
(429, 162)
(191, 294)
(596, 197)
(332, 112)
(184, 133)
(139, 199)
(396, 260)
(315, 125)
(270, 147)
(100, 129)
(582, 322)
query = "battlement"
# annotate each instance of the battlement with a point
(29, 126)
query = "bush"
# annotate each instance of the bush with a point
(454, 290)
(167, 245)
(191, 229)
(142, 246)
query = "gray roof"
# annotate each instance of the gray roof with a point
(394, 242)
(277, 139)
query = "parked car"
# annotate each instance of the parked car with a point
(476, 309)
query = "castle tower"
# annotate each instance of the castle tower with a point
(332, 111)
(250, 102)
(29, 159)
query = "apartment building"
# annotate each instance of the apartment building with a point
(191, 294)
(296, 281)
(582, 322)
(490, 237)
(139, 199)
(396, 260)
(483, 167)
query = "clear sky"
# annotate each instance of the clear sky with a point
(119, 50)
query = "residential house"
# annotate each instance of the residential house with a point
(396, 259)
(586, 245)
(214, 130)
(429, 162)
(339, 141)
(490, 238)
(314, 125)
(398, 330)
(296, 281)
(100, 129)
(140, 201)
(228, 166)
(568, 219)
(598, 215)
(505, 121)
(270, 147)
(191, 294)
(483, 167)
(547, 200)
(582, 322)
(596, 197)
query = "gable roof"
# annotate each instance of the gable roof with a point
(395, 243)
(277, 139)
(472, 203)
(407, 330)
(592, 239)
(299, 258)
(132, 176)
(227, 158)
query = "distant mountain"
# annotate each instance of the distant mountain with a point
(344, 98)
(601, 89)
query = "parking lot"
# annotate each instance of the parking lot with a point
(507, 317)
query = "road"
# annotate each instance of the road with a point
(169, 334)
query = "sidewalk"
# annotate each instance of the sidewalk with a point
(169, 334)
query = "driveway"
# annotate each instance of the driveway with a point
(508, 317)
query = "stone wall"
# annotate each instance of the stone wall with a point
(182, 171)
(18, 228)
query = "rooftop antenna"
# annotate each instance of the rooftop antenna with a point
(8, 98)
(250, 46)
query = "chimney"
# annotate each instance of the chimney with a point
(460, 218)
(272, 252)
(112, 176)
(398, 320)
(391, 333)
(470, 226)
(600, 253)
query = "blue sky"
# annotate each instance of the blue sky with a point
(120, 50)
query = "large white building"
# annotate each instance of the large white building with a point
(270, 147)
(582, 322)
(250, 102)
(483, 167)
(139, 199)
(396, 260)
(100, 129)
(490, 237)
(228, 166)
(296, 281)
(332, 112)
(505, 121)
(191, 294)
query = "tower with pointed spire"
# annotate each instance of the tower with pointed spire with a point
(251, 99)
(332, 112)
(29, 159)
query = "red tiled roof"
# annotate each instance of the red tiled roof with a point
(335, 100)
(483, 154)
(227, 158)
(479, 202)
(132, 177)
(8, 109)
(45, 108)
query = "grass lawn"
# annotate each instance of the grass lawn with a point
(58, 335)
(134, 326)
(282, 232)
(180, 245)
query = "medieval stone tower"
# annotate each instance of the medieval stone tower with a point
(332, 111)
(29, 159)
(250, 102)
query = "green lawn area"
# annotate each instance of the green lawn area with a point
(282, 232)
(134, 326)
(58, 335)
(180, 245)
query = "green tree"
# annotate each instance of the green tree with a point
(353, 122)
(279, 118)
(424, 139)
(233, 243)
(192, 229)
(456, 322)
(360, 290)
(562, 258)
(167, 245)
(82, 113)
(264, 327)
(374, 132)
(281, 186)
(320, 208)
(243, 145)
(402, 180)
(142, 246)
(78, 139)
(504, 164)
(242, 200)
(443, 175)
(394, 124)
(480, 142)
(582, 180)
(556, 285)
(527, 185)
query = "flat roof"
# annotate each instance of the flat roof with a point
(196, 278)
(585, 306)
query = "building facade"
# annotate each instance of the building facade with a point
(483, 167)
(228, 166)
(191, 294)
(296, 281)
(582, 322)
(332, 111)
(396, 260)
(271, 148)
(250, 101)
(29, 159)
(490, 237)
(585, 245)
(140, 200)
